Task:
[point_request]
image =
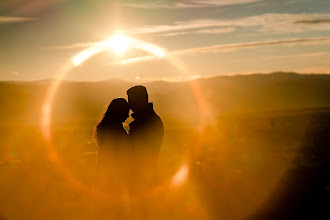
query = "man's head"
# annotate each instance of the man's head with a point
(137, 98)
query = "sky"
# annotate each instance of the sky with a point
(201, 38)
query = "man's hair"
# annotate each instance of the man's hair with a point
(139, 92)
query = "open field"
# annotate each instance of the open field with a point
(257, 166)
(253, 147)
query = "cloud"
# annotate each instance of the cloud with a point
(161, 4)
(72, 46)
(297, 55)
(202, 31)
(224, 2)
(175, 33)
(216, 30)
(314, 21)
(233, 47)
(297, 1)
(187, 4)
(313, 54)
(271, 22)
(189, 25)
(5, 19)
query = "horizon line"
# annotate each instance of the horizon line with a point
(165, 78)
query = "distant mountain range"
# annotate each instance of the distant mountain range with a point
(179, 101)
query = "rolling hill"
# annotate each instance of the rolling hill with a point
(180, 101)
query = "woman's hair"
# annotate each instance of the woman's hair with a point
(117, 111)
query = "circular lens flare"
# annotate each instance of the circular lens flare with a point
(118, 44)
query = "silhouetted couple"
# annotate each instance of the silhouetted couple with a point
(127, 161)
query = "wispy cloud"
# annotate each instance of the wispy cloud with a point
(314, 54)
(202, 31)
(297, 1)
(5, 19)
(259, 4)
(160, 4)
(189, 25)
(314, 21)
(263, 23)
(297, 55)
(170, 34)
(216, 30)
(72, 46)
(234, 47)
(187, 4)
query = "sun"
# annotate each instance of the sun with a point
(119, 43)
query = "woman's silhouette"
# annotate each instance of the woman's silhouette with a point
(112, 185)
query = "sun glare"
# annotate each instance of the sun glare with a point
(119, 43)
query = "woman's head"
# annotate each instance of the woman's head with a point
(117, 111)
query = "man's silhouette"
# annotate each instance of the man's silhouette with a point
(146, 132)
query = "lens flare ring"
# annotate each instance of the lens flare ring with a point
(122, 43)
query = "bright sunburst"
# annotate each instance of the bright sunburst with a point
(119, 43)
